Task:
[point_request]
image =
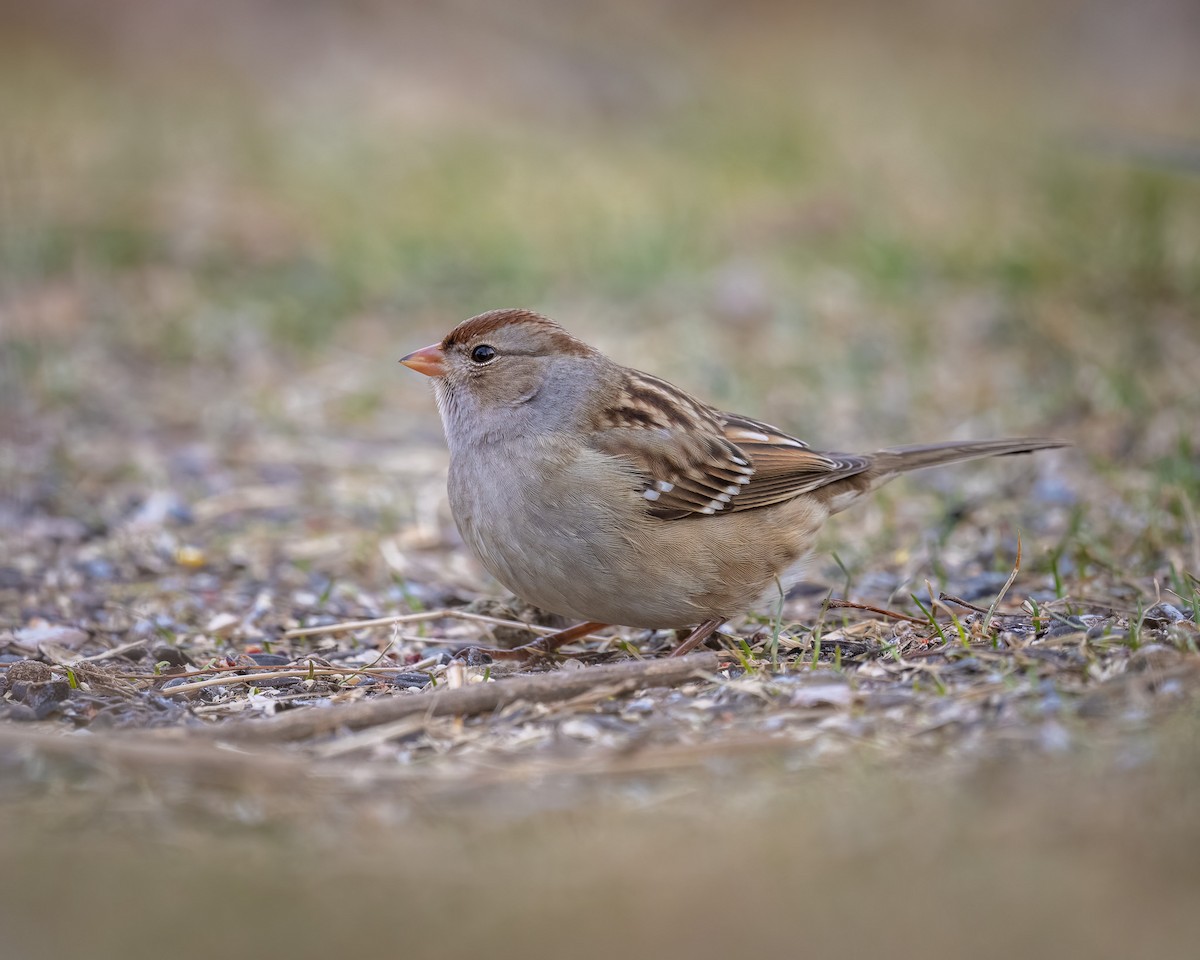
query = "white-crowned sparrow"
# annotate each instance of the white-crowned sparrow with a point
(605, 494)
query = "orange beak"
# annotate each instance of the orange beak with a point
(430, 361)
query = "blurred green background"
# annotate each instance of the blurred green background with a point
(858, 219)
(871, 225)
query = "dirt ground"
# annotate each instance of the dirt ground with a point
(236, 711)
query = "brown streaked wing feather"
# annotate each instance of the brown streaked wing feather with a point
(784, 467)
(678, 444)
(698, 461)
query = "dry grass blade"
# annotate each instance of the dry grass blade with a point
(347, 626)
(114, 652)
(301, 672)
(987, 620)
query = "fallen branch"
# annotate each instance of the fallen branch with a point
(466, 701)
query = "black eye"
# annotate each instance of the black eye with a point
(483, 353)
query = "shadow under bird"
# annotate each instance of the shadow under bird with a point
(610, 496)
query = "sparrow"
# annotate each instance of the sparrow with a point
(608, 495)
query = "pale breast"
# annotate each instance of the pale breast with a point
(552, 528)
(570, 534)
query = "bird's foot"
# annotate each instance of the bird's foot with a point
(697, 637)
(538, 649)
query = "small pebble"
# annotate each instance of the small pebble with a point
(270, 659)
(1163, 613)
(173, 656)
(222, 625)
(29, 671)
(1054, 737)
(823, 695)
(33, 637)
(1066, 626)
(190, 558)
(407, 680)
(577, 728)
(42, 698)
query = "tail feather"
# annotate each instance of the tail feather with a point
(896, 460)
(885, 465)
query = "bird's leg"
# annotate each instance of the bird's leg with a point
(697, 637)
(552, 641)
(543, 646)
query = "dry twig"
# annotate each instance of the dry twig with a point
(446, 614)
(474, 699)
(300, 673)
(963, 603)
(852, 605)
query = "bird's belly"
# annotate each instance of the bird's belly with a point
(588, 551)
(574, 559)
(571, 545)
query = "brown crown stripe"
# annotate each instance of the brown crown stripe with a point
(493, 320)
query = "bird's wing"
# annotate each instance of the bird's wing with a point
(696, 461)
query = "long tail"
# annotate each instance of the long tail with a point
(889, 463)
